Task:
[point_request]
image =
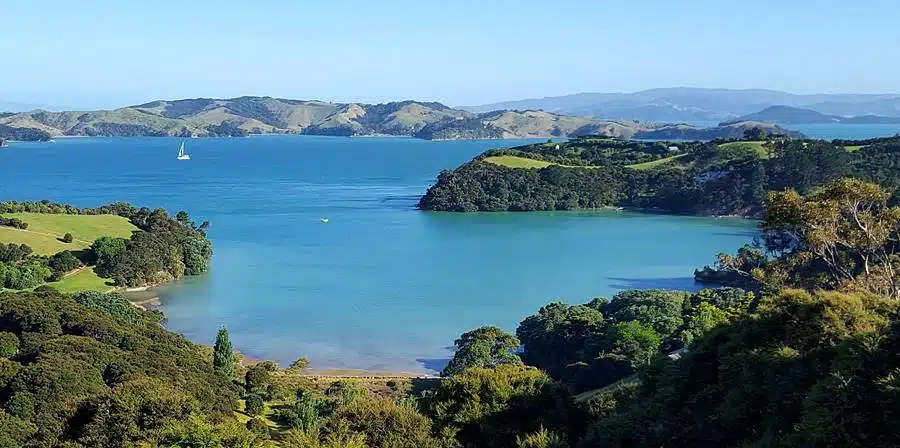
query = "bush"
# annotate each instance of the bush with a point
(300, 364)
(258, 426)
(9, 344)
(255, 405)
(256, 379)
(384, 424)
(68, 238)
(63, 262)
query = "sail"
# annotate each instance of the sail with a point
(181, 151)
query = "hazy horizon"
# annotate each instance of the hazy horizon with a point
(26, 106)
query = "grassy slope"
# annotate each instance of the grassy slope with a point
(654, 163)
(44, 229)
(517, 162)
(44, 233)
(84, 280)
(755, 146)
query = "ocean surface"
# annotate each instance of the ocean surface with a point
(381, 286)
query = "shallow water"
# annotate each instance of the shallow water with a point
(381, 286)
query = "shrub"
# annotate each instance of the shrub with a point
(300, 364)
(9, 344)
(68, 238)
(258, 426)
(255, 405)
(384, 424)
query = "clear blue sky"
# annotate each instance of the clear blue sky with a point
(94, 53)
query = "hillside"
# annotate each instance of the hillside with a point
(254, 115)
(722, 177)
(697, 104)
(786, 115)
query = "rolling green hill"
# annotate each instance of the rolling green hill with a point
(45, 231)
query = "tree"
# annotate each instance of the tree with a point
(105, 251)
(68, 238)
(635, 341)
(183, 217)
(659, 309)
(256, 380)
(223, 358)
(254, 405)
(383, 423)
(703, 317)
(755, 133)
(483, 347)
(63, 262)
(300, 364)
(258, 426)
(559, 335)
(492, 407)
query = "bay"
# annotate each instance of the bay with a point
(381, 285)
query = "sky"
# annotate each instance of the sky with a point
(103, 54)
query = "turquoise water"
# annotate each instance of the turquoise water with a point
(381, 286)
(846, 131)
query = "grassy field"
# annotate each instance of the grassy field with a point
(45, 230)
(853, 148)
(654, 163)
(517, 162)
(85, 280)
(753, 146)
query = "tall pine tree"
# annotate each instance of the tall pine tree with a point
(223, 359)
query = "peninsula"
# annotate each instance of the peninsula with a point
(720, 177)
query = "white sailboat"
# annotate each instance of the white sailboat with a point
(183, 155)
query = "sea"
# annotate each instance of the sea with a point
(380, 286)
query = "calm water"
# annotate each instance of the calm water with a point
(381, 285)
(846, 131)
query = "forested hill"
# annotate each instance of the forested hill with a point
(248, 115)
(713, 178)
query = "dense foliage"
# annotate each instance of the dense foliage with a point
(226, 129)
(842, 236)
(598, 343)
(807, 370)
(23, 134)
(83, 376)
(121, 130)
(716, 178)
(471, 128)
(483, 347)
(164, 248)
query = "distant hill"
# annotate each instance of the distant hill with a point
(258, 115)
(695, 104)
(783, 115)
(15, 106)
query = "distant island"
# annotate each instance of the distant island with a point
(786, 115)
(238, 117)
(721, 177)
(690, 104)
